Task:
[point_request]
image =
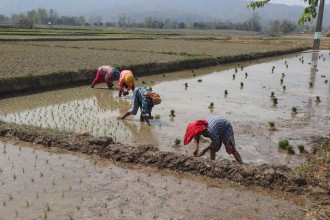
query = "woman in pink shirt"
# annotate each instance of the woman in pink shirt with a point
(126, 80)
(105, 74)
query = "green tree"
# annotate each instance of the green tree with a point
(309, 13)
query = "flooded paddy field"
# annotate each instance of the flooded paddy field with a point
(296, 81)
(39, 184)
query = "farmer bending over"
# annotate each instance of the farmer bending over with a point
(126, 80)
(219, 130)
(141, 99)
(105, 74)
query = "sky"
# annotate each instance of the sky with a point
(294, 2)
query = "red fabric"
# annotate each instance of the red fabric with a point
(98, 78)
(194, 129)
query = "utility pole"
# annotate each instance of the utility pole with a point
(317, 35)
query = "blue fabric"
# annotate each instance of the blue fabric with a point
(139, 101)
(116, 72)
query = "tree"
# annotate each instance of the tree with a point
(122, 21)
(307, 16)
(275, 28)
(288, 26)
(254, 22)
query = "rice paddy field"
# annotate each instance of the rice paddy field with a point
(269, 100)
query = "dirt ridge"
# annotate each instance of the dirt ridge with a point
(271, 177)
(12, 84)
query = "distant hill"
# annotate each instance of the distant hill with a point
(178, 10)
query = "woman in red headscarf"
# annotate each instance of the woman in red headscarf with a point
(219, 130)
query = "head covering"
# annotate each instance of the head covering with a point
(116, 72)
(128, 79)
(194, 129)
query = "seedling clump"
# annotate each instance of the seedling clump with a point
(275, 101)
(283, 144)
(233, 76)
(301, 148)
(284, 87)
(157, 116)
(172, 114)
(294, 110)
(211, 105)
(242, 84)
(177, 142)
(290, 149)
(272, 125)
(186, 85)
(272, 94)
(226, 92)
(318, 99)
(200, 80)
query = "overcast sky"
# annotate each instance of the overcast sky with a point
(294, 2)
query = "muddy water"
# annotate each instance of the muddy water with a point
(50, 185)
(248, 107)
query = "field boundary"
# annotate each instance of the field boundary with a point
(21, 83)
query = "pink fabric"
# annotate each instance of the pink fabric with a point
(194, 129)
(122, 81)
(103, 74)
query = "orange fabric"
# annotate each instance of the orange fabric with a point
(194, 129)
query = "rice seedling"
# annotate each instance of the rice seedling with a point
(282, 81)
(199, 80)
(273, 68)
(301, 148)
(326, 81)
(211, 105)
(172, 113)
(284, 88)
(186, 85)
(271, 125)
(290, 149)
(226, 92)
(272, 94)
(294, 110)
(283, 75)
(283, 144)
(242, 84)
(234, 76)
(318, 100)
(177, 142)
(310, 84)
(275, 101)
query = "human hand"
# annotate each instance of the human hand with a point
(202, 153)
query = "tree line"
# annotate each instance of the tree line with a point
(51, 17)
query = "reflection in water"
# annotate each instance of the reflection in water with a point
(315, 58)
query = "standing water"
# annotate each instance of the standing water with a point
(295, 80)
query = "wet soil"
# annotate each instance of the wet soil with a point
(50, 183)
(276, 178)
(249, 108)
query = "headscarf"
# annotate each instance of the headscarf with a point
(194, 129)
(128, 79)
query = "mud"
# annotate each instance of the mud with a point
(28, 82)
(270, 177)
(77, 186)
